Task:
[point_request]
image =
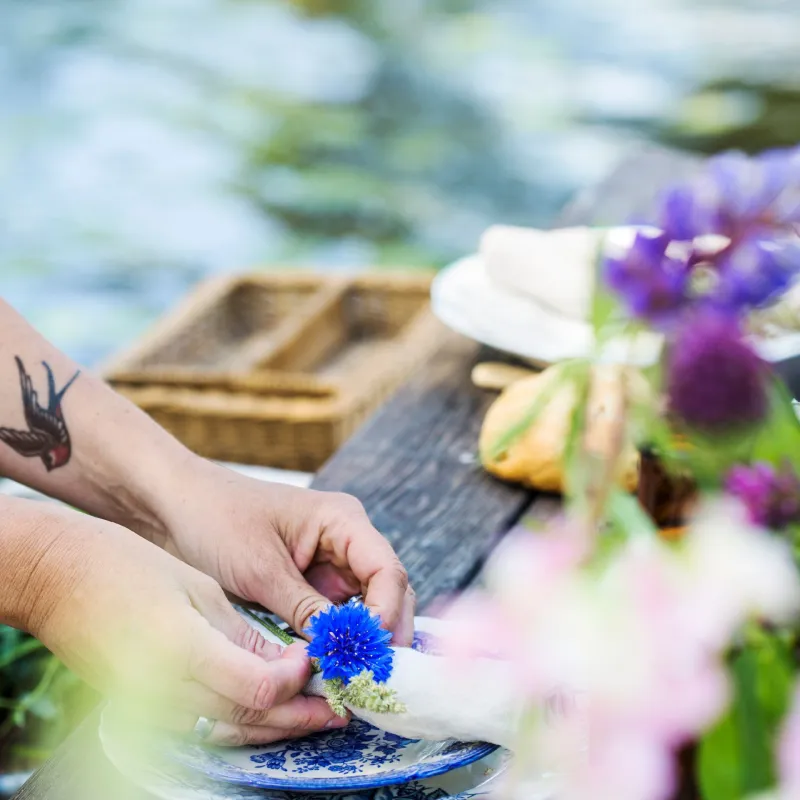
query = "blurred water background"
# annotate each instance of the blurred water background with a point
(145, 144)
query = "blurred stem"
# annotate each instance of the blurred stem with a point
(608, 476)
(29, 700)
(20, 651)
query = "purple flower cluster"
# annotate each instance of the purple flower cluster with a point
(771, 497)
(715, 381)
(349, 639)
(722, 244)
(726, 240)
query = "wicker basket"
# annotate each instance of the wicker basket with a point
(279, 369)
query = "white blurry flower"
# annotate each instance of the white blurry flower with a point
(641, 638)
(738, 569)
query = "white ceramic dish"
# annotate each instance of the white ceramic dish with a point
(468, 301)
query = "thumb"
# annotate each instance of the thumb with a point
(292, 598)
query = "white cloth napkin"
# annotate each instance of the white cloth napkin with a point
(555, 268)
(471, 703)
(474, 702)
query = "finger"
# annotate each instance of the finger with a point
(210, 600)
(301, 712)
(370, 557)
(380, 572)
(226, 735)
(334, 583)
(404, 633)
(287, 593)
(241, 676)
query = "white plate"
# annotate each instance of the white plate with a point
(468, 301)
(464, 297)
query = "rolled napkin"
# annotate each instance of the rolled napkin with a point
(415, 693)
(555, 268)
(477, 705)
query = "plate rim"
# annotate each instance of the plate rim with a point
(393, 777)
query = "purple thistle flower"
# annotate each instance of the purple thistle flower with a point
(348, 639)
(771, 497)
(716, 383)
(752, 206)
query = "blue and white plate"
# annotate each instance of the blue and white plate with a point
(143, 762)
(357, 757)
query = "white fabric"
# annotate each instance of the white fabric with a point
(475, 703)
(554, 267)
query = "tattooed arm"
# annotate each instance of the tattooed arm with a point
(64, 432)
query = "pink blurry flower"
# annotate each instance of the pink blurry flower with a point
(641, 639)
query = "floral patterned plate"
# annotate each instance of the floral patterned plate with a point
(143, 762)
(359, 756)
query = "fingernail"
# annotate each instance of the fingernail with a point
(338, 722)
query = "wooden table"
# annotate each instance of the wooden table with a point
(413, 466)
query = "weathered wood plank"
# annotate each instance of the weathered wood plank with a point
(415, 468)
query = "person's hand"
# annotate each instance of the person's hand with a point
(149, 630)
(291, 550)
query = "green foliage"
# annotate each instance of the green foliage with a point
(736, 755)
(40, 700)
(361, 692)
(267, 623)
(778, 440)
(625, 513)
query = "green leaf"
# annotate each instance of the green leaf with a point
(577, 466)
(267, 623)
(626, 513)
(736, 756)
(778, 440)
(20, 651)
(710, 458)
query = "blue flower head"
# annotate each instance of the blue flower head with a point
(348, 639)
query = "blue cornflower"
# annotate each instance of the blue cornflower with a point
(752, 208)
(348, 639)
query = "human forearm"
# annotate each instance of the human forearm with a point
(32, 542)
(85, 445)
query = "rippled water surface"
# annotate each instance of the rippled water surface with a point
(147, 143)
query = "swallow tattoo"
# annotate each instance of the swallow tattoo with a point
(47, 436)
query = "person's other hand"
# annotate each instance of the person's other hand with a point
(152, 632)
(291, 550)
